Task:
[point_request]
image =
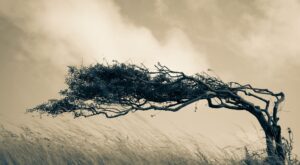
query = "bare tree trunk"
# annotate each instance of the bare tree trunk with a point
(270, 146)
(274, 144)
(278, 141)
(275, 150)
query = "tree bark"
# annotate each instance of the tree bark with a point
(270, 146)
(278, 141)
(275, 150)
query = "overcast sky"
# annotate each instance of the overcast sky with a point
(252, 42)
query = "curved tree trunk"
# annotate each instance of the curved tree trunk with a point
(274, 145)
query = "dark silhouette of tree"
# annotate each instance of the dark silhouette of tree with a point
(116, 89)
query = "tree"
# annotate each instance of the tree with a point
(116, 89)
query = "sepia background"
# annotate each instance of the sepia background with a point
(254, 42)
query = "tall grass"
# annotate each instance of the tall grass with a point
(29, 147)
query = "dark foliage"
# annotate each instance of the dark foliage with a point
(117, 89)
(100, 88)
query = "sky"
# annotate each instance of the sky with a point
(245, 41)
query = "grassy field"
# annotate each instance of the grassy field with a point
(30, 147)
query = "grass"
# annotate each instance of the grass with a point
(29, 147)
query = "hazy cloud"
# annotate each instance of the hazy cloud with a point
(66, 32)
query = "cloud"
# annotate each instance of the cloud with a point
(274, 41)
(70, 32)
(261, 35)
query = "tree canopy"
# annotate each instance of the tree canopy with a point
(116, 89)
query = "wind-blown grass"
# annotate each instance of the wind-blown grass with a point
(29, 147)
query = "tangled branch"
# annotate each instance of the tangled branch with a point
(116, 89)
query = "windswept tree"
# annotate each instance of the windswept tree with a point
(114, 90)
